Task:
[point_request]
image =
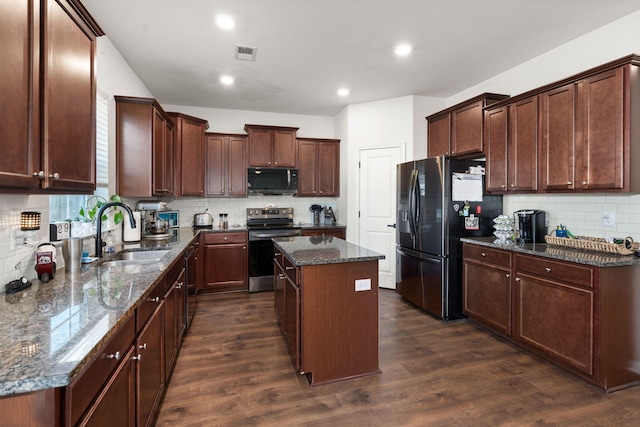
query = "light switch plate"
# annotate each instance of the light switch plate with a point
(609, 219)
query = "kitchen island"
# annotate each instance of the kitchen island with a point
(326, 300)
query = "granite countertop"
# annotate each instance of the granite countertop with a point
(580, 256)
(317, 250)
(49, 331)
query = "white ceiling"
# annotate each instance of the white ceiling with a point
(307, 49)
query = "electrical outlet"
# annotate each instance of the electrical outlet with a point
(609, 219)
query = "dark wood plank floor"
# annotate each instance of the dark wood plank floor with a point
(234, 370)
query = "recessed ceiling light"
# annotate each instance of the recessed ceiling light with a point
(226, 80)
(225, 21)
(403, 49)
(343, 91)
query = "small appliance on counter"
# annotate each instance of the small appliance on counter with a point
(530, 225)
(46, 261)
(329, 216)
(153, 225)
(203, 220)
(316, 209)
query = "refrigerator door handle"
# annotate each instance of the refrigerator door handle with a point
(412, 204)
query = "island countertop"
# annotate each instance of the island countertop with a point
(318, 250)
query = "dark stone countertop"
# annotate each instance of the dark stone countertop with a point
(50, 331)
(580, 256)
(317, 250)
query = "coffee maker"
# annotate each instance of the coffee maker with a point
(530, 225)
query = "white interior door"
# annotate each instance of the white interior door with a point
(378, 207)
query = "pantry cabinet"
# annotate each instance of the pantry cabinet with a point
(458, 131)
(189, 155)
(511, 141)
(144, 148)
(225, 264)
(48, 103)
(226, 165)
(271, 146)
(318, 167)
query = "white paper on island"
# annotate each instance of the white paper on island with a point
(363, 285)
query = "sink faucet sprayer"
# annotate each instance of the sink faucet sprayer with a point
(132, 220)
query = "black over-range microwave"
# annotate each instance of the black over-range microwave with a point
(272, 181)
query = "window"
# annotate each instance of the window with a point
(66, 207)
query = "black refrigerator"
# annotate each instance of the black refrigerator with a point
(429, 225)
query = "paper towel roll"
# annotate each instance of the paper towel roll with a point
(131, 234)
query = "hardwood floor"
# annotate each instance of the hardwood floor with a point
(234, 370)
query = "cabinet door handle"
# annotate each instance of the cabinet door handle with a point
(569, 182)
(226, 238)
(244, 247)
(547, 269)
(143, 346)
(584, 182)
(513, 185)
(39, 174)
(137, 358)
(280, 276)
(503, 186)
(507, 275)
(114, 356)
(483, 254)
(517, 279)
(179, 285)
(154, 299)
(54, 176)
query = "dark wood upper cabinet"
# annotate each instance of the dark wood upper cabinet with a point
(458, 131)
(189, 155)
(48, 102)
(271, 146)
(318, 167)
(226, 166)
(144, 148)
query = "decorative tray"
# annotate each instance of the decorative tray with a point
(627, 247)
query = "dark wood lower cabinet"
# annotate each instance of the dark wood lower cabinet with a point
(150, 367)
(225, 262)
(339, 232)
(580, 317)
(115, 406)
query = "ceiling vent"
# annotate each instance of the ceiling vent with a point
(246, 53)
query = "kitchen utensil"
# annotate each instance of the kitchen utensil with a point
(203, 219)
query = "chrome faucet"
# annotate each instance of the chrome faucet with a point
(104, 207)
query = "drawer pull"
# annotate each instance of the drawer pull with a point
(569, 182)
(143, 346)
(114, 356)
(517, 279)
(226, 238)
(280, 276)
(154, 299)
(547, 269)
(288, 268)
(137, 358)
(483, 254)
(277, 254)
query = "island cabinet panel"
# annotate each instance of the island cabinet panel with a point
(48, 103)
(486, 282)
(339, 325)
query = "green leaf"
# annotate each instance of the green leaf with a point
(118, 217)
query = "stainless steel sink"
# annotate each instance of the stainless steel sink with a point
(135, 258)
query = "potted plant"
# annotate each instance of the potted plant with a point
(92, 206)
